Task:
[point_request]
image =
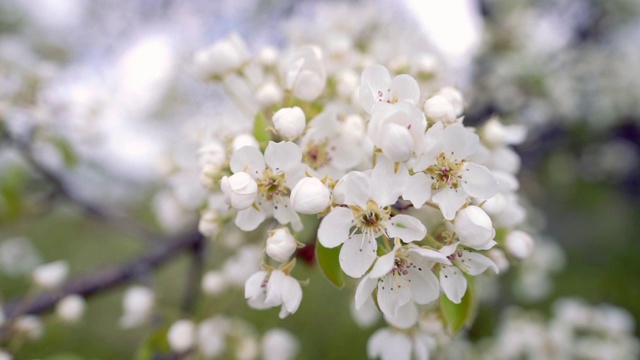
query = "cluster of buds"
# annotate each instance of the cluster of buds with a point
(403, 195)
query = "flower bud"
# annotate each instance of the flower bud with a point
(222, 57)
(473, 226)
(310, 196)
(51, 275)
(519, 244)
(137, 303)
(279, 344)
(496, 134)
(71, 308)
(499, 259)
(290, 122)
(30, 326)
(439, 109)
(181, 335)
(239, 190)
(243, 140)
(269, 94)
(305, 74)
(214, 282)
(209, 224)
(281, 244)
(455, 98)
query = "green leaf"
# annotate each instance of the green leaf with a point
(260, 131)
(329, 263)
(155, 344)
(66, 151)
(458, 315)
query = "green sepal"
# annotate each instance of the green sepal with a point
(155, 344)
(457, 316)
(330, 264)
(260, 131)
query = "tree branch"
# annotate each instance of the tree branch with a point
(119, 221)
(103, 280)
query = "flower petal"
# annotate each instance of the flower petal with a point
(352, 189)
(406, 316)
(459, 142)
(248, 159)
(274, 288)
(453, 283)
(253, 285)
(387, 184)
(417, 189)
(357, 255)
(450, 201)
(282, 156)
(291, 295)
(364, 290)
(334, 228)
(249, 219)
(406, 227)
(477, 181)
(431, 255)
(384, 264)
(475, 264)
(406, 88)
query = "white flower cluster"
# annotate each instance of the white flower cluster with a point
(576, 331)
(415, 203)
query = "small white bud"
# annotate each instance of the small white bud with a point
(209, 224)
(71, 308)
(279, 344)
(281, 244)
(290, 122)
(51, 275)
(455, 98)
(137, 303)
(5, 355)
(268, 56)
(347, 84)
(30, 326)
(239, 190)
(310, 196)
(212, 337)
(181, 335)
(305, 74)
(496, 134)
(473, 226)
(212, 153)
(247, 349)
(243, 140)
(519, 244)
(439, 109)
(222, 57)
(214, 282)
(499, 259)
(269, 94)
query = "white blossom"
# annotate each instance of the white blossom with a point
(71, 308)
(304, 73)
(310, 196)
(239, 190)
(265, 290)
(281, 244)
(290, 122)
(222, 57)
(519, 244)
(279, 344)
(378, 90)
(138, 302)
(51, 275)
(474, 228)
(214, 283)
(182, 335)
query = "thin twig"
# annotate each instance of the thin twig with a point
(192, 285)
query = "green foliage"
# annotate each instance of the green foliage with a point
(66, 151)
(329, 264)
(260, 131)
(156, 343)
(457, 316)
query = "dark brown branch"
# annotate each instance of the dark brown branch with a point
(105, 279)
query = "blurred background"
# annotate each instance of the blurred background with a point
(107, 92)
